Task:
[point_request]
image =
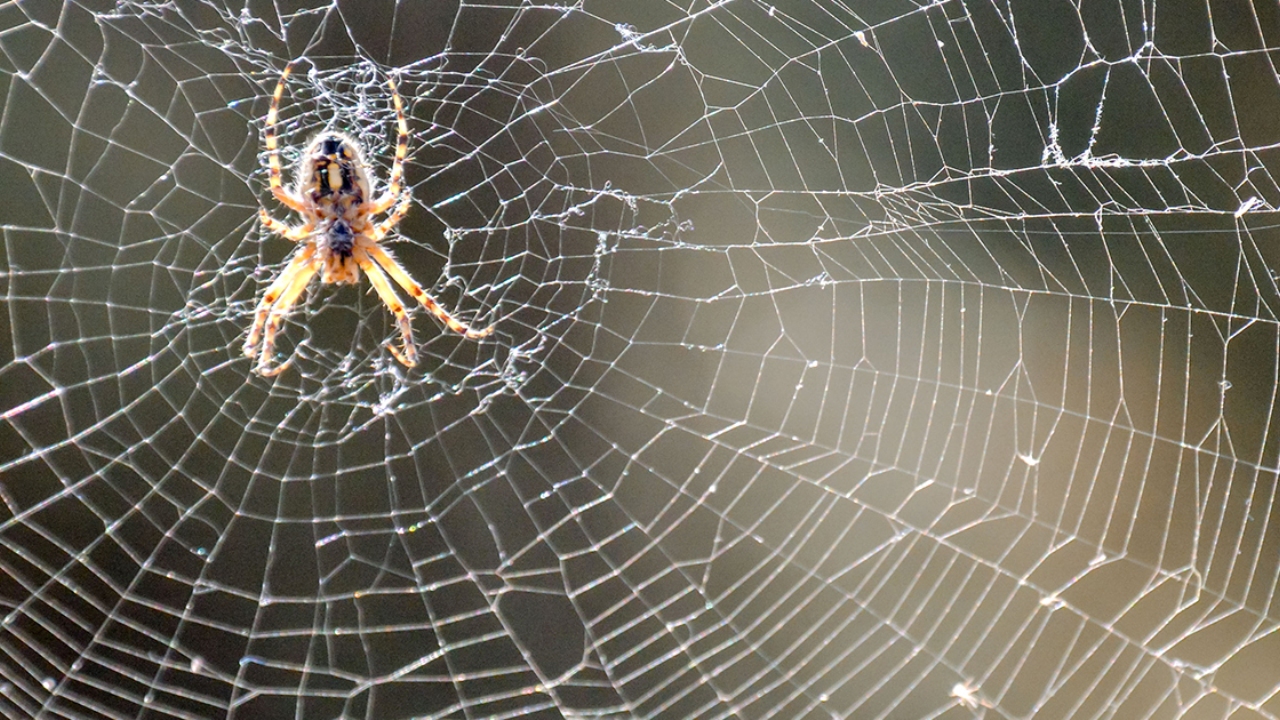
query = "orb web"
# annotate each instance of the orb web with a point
(906, 361)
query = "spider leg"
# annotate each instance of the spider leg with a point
(287, 299)
(300, 263)
(301, 232)
(388, 296)
(401, 277)
(272, 294)
(381, 229)
(273, 148)
(385, 202)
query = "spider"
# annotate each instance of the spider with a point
(338, 237)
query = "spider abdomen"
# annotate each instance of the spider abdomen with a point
(333, 172)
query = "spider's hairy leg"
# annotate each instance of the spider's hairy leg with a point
(302, 232)
(410, 286)
(381, 229)
(388, 296)
(290, 296)
(273, 148)
(385, 202)
(301, 263)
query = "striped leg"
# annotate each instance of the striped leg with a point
(383, 287)
(401, 277)
(281, 294)
(273, 148)
(394, 182)
(302, 232)
(286, 301)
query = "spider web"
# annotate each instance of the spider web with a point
(910, 360)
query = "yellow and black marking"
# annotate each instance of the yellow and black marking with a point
(336, 176)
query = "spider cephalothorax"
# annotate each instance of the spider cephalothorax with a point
(338, 237)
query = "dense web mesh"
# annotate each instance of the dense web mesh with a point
(864, 360)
